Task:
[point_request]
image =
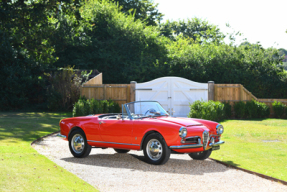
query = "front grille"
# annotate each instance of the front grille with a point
(191, 140)
(205, 137)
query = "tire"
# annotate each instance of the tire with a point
(200, 155)
(156, 151)
(78, 144)
(121, 150)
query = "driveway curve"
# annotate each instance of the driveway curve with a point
(110, 171)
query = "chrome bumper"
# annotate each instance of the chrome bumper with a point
(59, 135)
(216, 144)
(195, 145)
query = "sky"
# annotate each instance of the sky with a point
(264, 21)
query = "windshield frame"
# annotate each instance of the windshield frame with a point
(129, 113)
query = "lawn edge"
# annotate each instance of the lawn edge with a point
(41, 138)
(251, 172)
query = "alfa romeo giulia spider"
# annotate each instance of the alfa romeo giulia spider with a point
(142, 125)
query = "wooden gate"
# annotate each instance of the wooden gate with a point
(175, 94)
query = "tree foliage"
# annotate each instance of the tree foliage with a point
(124, 40)
(144, 10)
(108, 40)
(195, 29)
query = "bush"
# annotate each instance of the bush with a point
(256, 109)
(85, 107)
(211, 110)
(64, 89)
(278, 108)
(239, 109)
(264, 110)
(227, 109)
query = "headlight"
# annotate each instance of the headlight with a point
(219, 129)
(182, 132)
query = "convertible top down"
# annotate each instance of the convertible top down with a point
(143, 125)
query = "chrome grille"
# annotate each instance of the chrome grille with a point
(205, 138)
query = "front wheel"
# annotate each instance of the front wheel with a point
(155, 149)
(78, 144)
(200, 155)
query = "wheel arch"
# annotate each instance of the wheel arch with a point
(147, 134)
(73, 129)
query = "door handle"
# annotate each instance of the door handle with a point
(101, 122)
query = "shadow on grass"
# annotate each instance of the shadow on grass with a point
(136, 162)
(28, 126)
(231, 163)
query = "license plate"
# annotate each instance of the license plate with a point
(216, 147)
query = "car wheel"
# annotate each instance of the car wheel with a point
(200, 155)
(155, 149)
(121, 150)
(78, 144)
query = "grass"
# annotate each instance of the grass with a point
(256, 145)
(21, 167)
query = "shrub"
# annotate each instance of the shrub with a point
(264, 110)
(278, 108)
(211, 110)
(64, 89)
(85, 107)
(256, 109)
(239, 109)
(227, 109)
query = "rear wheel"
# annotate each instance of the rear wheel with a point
(78, 144)
(155, 149)
(121, 150)
(200, 155)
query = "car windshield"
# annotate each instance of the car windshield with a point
(145, 108)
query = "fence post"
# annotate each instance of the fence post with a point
(133, 91)
(211, 90)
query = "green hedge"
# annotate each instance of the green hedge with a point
(215, 110)
(278, 108)
(86, 107)
(211, 110)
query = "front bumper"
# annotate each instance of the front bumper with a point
(195, 145)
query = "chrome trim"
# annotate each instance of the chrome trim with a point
(205, 139)
(180, 132)
(198, 145)
(184, 139)
(59, 135)
(217, 126)
(186, 146)
(113, 143)
(216, 144)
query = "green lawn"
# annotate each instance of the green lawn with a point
(21, 167)
(256, 145)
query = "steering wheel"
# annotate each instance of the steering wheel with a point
(151, 110)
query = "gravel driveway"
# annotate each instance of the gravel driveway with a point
(109, 171)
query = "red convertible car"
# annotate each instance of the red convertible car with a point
(143, 125)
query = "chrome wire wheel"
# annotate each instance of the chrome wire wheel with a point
(154, 149)
(78, 143)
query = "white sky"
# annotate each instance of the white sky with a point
(264, 21)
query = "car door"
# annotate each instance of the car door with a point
(116, 130)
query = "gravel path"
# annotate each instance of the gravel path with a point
(109, 171)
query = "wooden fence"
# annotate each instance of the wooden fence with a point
(119, 93)
(124, 93)
(236, 92)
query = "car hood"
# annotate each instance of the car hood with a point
(187, 122)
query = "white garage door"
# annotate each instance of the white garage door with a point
(173, 93)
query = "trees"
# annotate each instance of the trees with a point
(195, 29)
(112, 42)
(26, 49)
(144, 10)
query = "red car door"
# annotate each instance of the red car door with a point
(116, 130)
